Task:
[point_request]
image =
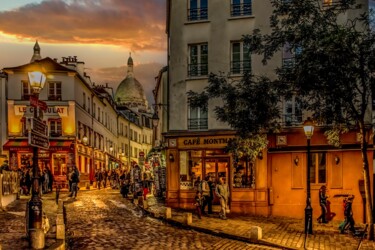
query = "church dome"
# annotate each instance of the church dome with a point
(130, 92)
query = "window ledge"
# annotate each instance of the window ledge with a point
(241, 17)
(189, 78)
(197, 21)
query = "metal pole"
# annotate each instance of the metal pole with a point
(36, 233)
(308, 209)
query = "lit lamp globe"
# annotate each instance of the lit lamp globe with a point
(85, 139)
(308, 127)
(155, 120)
(36, 80)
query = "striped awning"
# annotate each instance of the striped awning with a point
(15, 143)
(60, 143)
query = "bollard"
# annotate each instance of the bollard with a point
(255, 233)
(188, 218)
(168, 213)
(145, 204)
(37, 238)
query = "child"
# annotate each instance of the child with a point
(198, 203)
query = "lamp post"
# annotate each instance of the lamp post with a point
(308, 127)
(38, 139)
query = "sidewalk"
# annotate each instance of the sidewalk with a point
(285, 233)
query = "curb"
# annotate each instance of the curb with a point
(214, 232)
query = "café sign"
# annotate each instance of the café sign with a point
(202, 142)
(61, 111)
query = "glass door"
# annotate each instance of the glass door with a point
(216, 168)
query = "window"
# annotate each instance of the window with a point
(55, 128)
(197, 10)
(84, 100)
(244, 175)
(88, 104)
(289, 55)
(191, 169)
(198, 60)
(318, 170)
(26, 91)
(98, 114)
(240, 58)
(198, 118)
(93, 109)
(292, 111)
(241, 8)
(54, 91)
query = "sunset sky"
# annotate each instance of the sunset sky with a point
(99, 32)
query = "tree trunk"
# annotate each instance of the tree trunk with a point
(366, 176)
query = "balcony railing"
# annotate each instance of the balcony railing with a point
(288, 62)
(198, 69)
(55, 134)
(198, 124)
(197, 14)
(290, 120)
(239, 67)
(242, 9)
(54, 97)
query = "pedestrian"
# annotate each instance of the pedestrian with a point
(348, 212)
(198, 184)
(198, 203)
(323, 204)
(206, 194)
(50, 179)
(4, 167)
(99, 177)
(222, 192)
(105, 177)
(75, 181)
(211, 184)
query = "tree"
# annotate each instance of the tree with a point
(333, 66)
(249, 107)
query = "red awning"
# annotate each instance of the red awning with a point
(15, 143)
(60, 143)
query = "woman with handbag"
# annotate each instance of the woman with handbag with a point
(222, 192)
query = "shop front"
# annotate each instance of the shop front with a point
(56, 158)
(192, 159)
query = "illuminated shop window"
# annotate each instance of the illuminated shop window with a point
(190, 169)
(244, 174)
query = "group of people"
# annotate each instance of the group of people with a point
(205, 195)
(103, 177)
(326, 216)
(26, 180)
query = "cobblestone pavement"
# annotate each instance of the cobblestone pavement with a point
(102, 219)
(285, 232)
(12, 223)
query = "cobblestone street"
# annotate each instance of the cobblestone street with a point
(102, 219)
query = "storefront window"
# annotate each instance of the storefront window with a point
(190, 168)
(244, 174)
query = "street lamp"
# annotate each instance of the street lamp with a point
(155, 120)
(308, 127)
(35, 213)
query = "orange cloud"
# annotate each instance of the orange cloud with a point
(135, 24)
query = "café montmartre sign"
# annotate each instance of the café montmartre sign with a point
(221, 141)
(62, 111)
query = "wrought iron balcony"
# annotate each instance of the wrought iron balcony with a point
(290, 120)
(239, 67)
(242, 9)
(197, 14)
(198, 124)
(198, 69)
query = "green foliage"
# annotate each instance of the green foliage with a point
(249, 105)
(333, 135)
(249, 147)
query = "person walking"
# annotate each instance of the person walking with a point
(348, 212)
(198, 203)
(75, 181)
(323, 204)
(99, 178)
(206, 195)
(222, 192)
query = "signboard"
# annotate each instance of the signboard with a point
(35, 102)
(141, 154)
(38, 140)
(39, 126)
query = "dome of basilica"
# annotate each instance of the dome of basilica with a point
(130, 92)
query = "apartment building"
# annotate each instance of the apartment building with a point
(205, 36)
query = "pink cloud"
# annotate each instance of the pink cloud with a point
(135, 24)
